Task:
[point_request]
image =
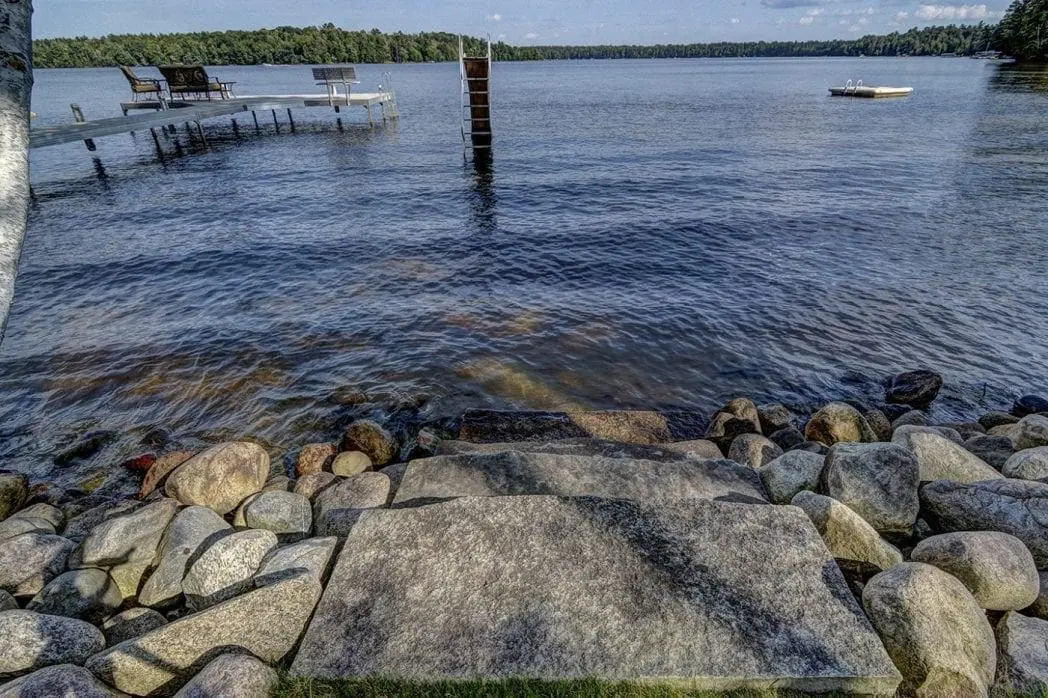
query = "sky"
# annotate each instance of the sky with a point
(522, 22)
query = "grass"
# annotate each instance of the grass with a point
(296, 687)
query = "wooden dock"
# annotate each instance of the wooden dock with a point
(177, 111)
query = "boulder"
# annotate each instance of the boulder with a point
(1029, 404)
(913, 418)
(126, 545)
(934, 630)
(287, 514)
(1031, 464)
(945, 432)
(89, 595)
(997, 419)
(753, 450)
(131, 623)
(1022, 656)
(351, 463)
(314, 458)
(311, 556)
(1038, 608)
(877, 481)
(893, 412)
(966, 429)
(83, 522)
(266, 622)
(14, 488)
(997, 568)
(995, 450)
(811, 447)
(220, 477)
(45, 512)
(774, 417)
(791, 473)
(309, 486)
(1008, 431)
(278, 483)
(371, 438)
(589, 587)
(511, 473)
(7, 602)
(847, 536)
(224, 570)
(158, 472)
(1032, 432)
(838, 423)
(31, 560)
(1018, 507)
(60, 680)
(785, 439)
(917, 388)
(232, 676)
(941, 459)
(696, 448)
(337, 508)
(191, 531)
(878, 421)
(17, 525)
(29, 641)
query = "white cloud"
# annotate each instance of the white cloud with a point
(531, 35)
(947, 12)
(806, 19)
(735, 20)
(495, 17)
(901, 15)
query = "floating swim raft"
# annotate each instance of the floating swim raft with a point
(857, 89)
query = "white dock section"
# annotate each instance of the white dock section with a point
(199, 110)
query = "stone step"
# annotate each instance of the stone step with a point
(511, 473)
(590, 447)
(636, 427)
(694, 593)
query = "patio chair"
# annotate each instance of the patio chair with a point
(192, 82)
(150, 87)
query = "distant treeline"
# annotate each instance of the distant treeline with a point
(329, 44)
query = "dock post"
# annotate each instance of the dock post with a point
(255, 117)
(200, 130)
(78, 117)
(155, 138)
(275, 122)
(290, 119)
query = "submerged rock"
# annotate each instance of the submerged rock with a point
(996, 567)
(29, 641)
(373, 439)
(917, 388)
(1029, 404)
(88, 445)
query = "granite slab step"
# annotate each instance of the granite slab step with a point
(637, 427)
(514, 473)
(694, 593)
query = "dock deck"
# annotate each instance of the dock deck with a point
(199, 110)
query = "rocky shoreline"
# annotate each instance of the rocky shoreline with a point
(916, 556)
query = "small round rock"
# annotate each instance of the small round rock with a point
(351, 463)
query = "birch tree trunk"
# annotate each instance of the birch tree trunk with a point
(16, 84)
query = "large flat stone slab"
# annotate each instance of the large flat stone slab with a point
(637, 427)
(520, 473)
(708, 594)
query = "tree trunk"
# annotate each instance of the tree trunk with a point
(16, 86)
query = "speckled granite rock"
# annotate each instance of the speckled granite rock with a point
(29, 641)
(996, 567)
(877, 481)
(220, 477)
(59, 681)
(192, 529)
(31, 560)
(231, 676)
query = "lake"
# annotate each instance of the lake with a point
(649, 234)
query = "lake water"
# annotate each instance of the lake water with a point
(650, 234)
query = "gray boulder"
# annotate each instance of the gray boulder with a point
(58, 681)
(1022, 656)
(220, 477)
(31, 560)
(17, 525)
(7, 602)
(945, 432)
(373, 439)
(742, 409)
(590, 587)
(287, 514)
(913, 418)
(89, 595)
(753, 450)
(786, 439)
(839, 423)
(934, 630)
(311, 556)
(351, 463)
(996, 419)
(266, 622)
(190, 531)
(1012, 432)
(1031, 464)
(309, 486)
(995, 450)
(791, 473)
(996, 567)
(29, 641)
(232, 676)
(846, 534)
(880, 424)
(225, 568)
(14, 488)
(1029, 404)
(877, 481)
(51, 514)
(83, 522)
(337, 508)
(1032, 432)
(126, 545)
(941, 459)
(917, 388)
(131, 623)
(774, 417)
(1018, 507)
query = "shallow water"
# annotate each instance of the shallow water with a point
(650, 234)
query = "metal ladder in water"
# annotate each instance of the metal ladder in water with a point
(475, 98)
(390, 109)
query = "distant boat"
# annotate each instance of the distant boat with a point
(947, 55)
(987, 55)
(857, 89)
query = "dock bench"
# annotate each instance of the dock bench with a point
(333, 76)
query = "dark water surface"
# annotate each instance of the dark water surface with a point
(650, 234)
